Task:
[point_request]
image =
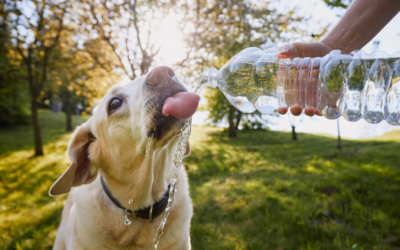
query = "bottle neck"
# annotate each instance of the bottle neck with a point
(209, 78)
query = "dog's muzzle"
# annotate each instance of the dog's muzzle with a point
(168, 101)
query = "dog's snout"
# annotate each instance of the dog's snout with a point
(160, 75)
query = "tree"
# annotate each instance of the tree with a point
(220, 109)
(82, 73)
(129, 28)
(13, 94)
(293, 125)
(36, 28)
(338, 3)
(339, 145)
(217, 30)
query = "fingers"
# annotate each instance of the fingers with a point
(317, 112)
(282, 110)
(309, 111)
(297, 110)
(286, 52)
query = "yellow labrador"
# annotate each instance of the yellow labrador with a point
(108, 154)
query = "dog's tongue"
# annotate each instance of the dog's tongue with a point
(182, 105)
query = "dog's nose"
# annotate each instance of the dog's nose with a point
(160, 75)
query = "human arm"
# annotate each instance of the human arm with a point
(361, 22)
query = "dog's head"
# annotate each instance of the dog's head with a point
(153, 108)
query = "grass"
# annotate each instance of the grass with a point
(29, 217)
(259, 191)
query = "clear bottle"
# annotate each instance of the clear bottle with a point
(355, 86)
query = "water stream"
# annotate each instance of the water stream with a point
(148, 145)
(177, 162)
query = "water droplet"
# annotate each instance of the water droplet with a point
(126, 220)
(130, 201)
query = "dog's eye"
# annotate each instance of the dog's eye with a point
(114, 104)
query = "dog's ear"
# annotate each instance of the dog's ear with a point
(79, 171)
(188, 149)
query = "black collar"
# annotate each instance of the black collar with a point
(158, 207)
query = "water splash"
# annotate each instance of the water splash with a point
(127, 222)
(148, 145)
(177, 162)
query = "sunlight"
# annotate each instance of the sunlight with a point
(170, 38)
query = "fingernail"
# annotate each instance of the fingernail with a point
(284, 49)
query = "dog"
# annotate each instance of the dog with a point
(112, 175)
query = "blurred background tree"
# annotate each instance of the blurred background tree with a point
(35, 30)
(82, 73)
(130, 29)
(217, 30)
(73, 51)
(14, 104)
(45, 47)
(338, 3)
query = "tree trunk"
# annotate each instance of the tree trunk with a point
(239, 116)
(339, 142)
(36, 127)
(231, 116)
(34, 108)
(294, 135)
(68, 112)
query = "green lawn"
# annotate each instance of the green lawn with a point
(259, 191)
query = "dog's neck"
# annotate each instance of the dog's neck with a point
(143, 179)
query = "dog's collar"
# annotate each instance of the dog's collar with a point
(148, 213)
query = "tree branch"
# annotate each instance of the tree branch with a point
(108, 40)
(60, 27)
(133, 7)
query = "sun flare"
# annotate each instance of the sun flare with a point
(170, 38)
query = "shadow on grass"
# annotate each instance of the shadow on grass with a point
(259, 191)
(264, 191)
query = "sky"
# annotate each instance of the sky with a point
(389, 41)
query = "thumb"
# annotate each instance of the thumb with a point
(317, 49)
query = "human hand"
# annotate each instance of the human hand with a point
(316, 49)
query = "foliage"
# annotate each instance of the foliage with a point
(35, 28)
(334, 71)
(219, 108)
(338, 3)
(217, 30)
(14, 98)
(260, 191)
(82, 73)
(129, 28)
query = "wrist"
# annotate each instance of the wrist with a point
(329, 45)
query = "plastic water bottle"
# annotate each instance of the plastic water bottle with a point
(355, 86)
